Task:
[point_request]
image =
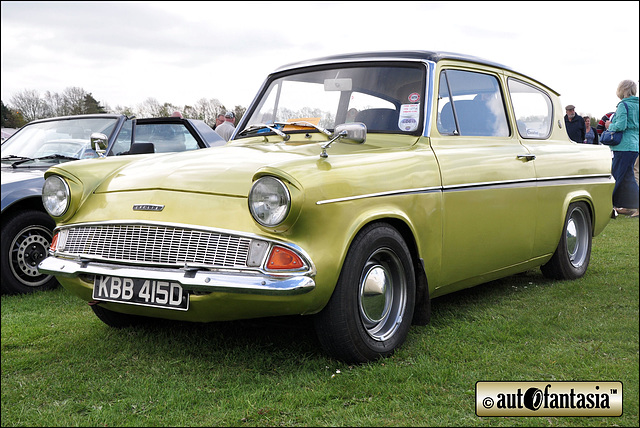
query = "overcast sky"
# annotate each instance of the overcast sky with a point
(179, 52)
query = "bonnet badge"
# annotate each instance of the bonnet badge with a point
(148, 207)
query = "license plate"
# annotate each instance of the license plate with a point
(143, 292)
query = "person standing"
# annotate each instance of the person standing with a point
(601, 128)
(625, 154)
(219, 120)
(225, 130)
(574, 124)
(590, 134)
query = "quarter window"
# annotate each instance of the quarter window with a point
(471, 104)
(533, 110)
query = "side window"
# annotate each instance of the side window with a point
(532, 108)
(123, 140)
(166, 137)
(471, 104)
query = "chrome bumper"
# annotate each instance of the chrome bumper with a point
(190, 279)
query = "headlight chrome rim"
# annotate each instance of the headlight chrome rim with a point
(56, 196)
(269, 201)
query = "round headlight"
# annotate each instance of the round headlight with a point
(55, 196)
(269, 201)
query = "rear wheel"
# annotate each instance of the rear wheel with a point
(572, 256)
(25, 241)
(370, 311)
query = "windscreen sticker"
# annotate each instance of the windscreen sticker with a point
(409, 117)
(414, 97)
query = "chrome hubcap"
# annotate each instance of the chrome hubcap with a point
(577, 237)
(382, 294)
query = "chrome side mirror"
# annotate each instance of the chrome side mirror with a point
(353, 133)
(99, 143)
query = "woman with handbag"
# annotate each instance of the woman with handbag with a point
(625, 120)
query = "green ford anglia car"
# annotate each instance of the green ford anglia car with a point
(355, 189)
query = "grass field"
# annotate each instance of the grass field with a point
(61, 366)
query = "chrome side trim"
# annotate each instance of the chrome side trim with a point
(206, 281)
(549, 181)
(375, 195)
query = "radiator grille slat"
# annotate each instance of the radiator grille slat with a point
(157, 244)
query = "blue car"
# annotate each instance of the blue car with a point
(27, 229)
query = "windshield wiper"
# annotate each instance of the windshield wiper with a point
(305, 124)
(260, 126)
(56, 156)
(14, 157)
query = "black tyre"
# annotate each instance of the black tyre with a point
(571, 258)
(116, 319)
(25, 242)
(369, 314)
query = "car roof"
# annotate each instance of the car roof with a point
(434, 56)
(416, 55)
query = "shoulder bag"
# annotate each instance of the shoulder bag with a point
(613, 138)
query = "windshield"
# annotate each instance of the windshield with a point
(68, 138)
(386, 98)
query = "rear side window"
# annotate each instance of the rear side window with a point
(471, 104)
(532, 108)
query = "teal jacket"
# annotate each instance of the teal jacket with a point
(627, 123)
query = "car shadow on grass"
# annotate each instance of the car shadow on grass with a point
(461, 302)
(254, 343)
(292, 339)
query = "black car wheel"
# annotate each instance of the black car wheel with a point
(25, 240)
(369, 314)
(571, 258)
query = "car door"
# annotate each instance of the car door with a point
(488, 179)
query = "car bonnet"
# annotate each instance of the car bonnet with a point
(227, 170)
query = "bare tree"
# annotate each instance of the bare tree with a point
(148, 108)
(55, 104)
(73, 100)
(207, 110)
(29, 103)
(126, 110)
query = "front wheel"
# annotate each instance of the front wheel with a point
(369, 314)
(25, 239)
(571, 258)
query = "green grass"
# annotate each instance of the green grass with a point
(62, 367)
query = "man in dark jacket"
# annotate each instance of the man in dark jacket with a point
(574, 123)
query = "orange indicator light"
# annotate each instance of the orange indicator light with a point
(283, 258)
(54, 242)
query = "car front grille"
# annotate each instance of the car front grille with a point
(155, 244)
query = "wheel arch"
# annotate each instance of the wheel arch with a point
(422, 309)
(29, 203)
(585, 197)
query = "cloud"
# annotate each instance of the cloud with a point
(126, 52)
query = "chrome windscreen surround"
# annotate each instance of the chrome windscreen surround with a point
(168, 245)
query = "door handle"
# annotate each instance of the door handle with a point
(526, 158)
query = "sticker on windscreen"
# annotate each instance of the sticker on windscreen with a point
(409, 117)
